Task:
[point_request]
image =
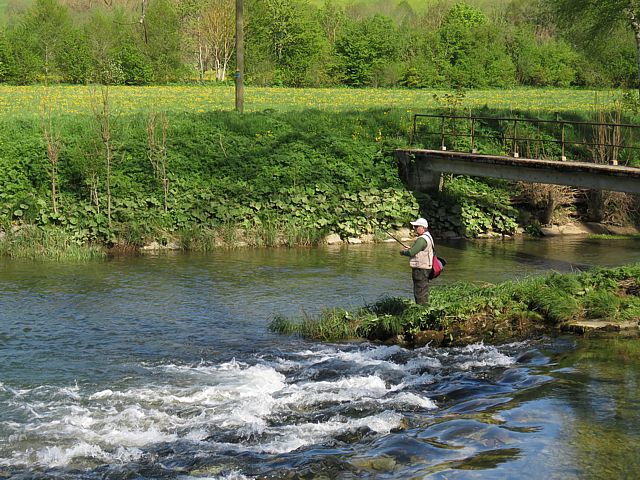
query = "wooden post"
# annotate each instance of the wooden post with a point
(473, 135)
(563, 157)
(515, 139)
(239, 75)
(413, 133)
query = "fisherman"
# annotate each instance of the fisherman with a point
(421, 260)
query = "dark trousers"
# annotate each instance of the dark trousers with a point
(420, 278)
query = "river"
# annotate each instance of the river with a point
(162, 367)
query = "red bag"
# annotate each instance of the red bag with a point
(437, 266)
(438, 263)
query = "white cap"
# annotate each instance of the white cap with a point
(421, 222)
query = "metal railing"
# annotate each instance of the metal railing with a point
(615, 138)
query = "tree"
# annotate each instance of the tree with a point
(161, 34)
(542, 61)
(191, 24)
(47, 24)
(599, 18)
(22, 64)
(106, 33)
(364, 46)
(218, 22)
(75, 60)
(332, 21)
(286, 34)
(472, 50)
(6, 57)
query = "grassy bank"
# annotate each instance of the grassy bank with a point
(211, 178)
(31, 242)
(465, 313)
(132, 166)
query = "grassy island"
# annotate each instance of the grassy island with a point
(465, 313)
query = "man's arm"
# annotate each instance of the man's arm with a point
(419, 245)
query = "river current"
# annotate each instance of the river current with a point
(162, 367)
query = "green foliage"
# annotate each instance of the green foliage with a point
(45, 26)
(601, 305)
(471, 207)
(302, 43)
(162, 39)
(75, 61)
(6, 57)
(364, 47)
(612, 294)
(543, 62)
(463, 15)
(30, 242)
(289, 39)
(332, 325)
(135, 67)
(289, 178)
(556, 305)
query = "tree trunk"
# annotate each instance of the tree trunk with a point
(239, 56)
(635, 25)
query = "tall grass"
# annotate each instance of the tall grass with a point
(52, 243)
(264, 234)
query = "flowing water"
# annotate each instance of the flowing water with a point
(162, 367)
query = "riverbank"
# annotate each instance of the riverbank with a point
(199, 180)
(464, 313)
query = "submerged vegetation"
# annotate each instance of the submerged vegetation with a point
(465, 313)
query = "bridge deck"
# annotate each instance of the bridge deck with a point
(421, 170)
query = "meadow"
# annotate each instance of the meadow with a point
(30, 101)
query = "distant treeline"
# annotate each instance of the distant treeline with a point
(302, 43)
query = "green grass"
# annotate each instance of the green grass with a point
(33, 243)
(488, 312)
(31, 101)
(604, 236)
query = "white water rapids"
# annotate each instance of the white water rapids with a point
(269, 405)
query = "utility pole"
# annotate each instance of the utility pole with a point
(239, 75)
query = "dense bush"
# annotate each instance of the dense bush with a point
(289, 177)
(317, 171)
(302, 170)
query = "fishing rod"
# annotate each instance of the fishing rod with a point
(386, 231)
(392, 236)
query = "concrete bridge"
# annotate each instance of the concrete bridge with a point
(421, 170)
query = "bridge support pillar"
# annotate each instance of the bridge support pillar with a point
(415, 176)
